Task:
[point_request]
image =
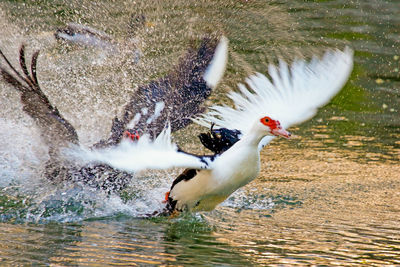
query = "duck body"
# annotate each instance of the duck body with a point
(203, 190)
(219, 140)
(292, 95)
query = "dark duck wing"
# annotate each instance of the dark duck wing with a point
(177, 97)
(185, 89)
(56, 130)
(219, 140)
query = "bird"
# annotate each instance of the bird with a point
(263, 110)
(176, 97)
(87, 36)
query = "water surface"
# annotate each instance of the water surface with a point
(328, 197)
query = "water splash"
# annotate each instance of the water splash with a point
(22, 152)
(27, 196)
(88, 92)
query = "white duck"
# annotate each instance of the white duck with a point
(292, 96)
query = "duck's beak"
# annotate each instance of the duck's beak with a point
(279, 131)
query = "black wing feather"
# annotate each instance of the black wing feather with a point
(53, 126)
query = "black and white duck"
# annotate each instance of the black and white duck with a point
(263, 110)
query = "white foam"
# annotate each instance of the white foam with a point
(22, 153)
(145, 111)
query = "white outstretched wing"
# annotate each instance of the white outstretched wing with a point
(292, 95)
(144, 154)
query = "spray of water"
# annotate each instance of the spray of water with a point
(89, 87)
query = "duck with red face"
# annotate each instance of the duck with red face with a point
(196, 190)
(292, 95)
(262, 111)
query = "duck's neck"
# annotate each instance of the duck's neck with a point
(252, 139)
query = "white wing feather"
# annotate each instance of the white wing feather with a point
(292, 96)
(216, 68)
(144, 154)
(160, 153)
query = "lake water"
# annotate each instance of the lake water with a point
(330, 196)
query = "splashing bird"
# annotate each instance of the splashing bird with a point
(176, 97)
(263, 110)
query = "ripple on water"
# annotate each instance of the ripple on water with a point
(329, 197)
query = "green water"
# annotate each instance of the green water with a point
(329, 197)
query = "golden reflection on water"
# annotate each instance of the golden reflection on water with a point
(355, 147)
(109, 244)
(349, 211)
(344, 212)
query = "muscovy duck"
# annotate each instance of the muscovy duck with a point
(181, 92)
(262, 112)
